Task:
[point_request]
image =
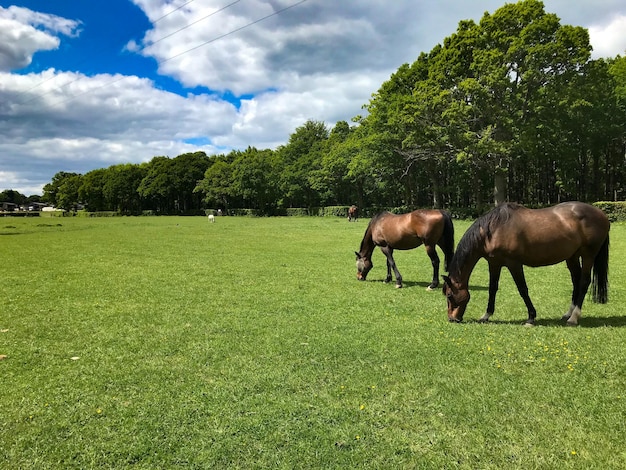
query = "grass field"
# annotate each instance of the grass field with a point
(173, 343)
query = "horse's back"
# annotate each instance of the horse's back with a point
(559, 219)
(409, 230)
(594, 225)
(548, 236)
(587, 214)
(581, 219)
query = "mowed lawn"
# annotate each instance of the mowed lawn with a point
(169, 342)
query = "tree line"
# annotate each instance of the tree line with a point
(508, 108)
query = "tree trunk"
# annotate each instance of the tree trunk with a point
(499, 186)
(436, 191)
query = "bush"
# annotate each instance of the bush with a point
(56, 213)
(615, 211)
(469, 213)
(297, 211)
(245, 212)
(104, 214)
(335, 211)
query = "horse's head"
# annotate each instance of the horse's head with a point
(363, 266)
(457, 298)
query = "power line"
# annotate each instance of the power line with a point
(277, 12)
(139, 50)
(189, 25)
(174, 10)
(89, 58)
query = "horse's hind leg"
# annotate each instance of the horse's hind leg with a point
(573, 264)
(579, 294)
(434, 260)
(517, 272)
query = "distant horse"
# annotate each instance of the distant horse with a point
(353, 213)
(211, 218)
(513, 236)
(405, 232)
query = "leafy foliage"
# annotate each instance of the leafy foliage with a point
(510, 107)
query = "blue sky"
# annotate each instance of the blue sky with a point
(105, 29)
(86, 84)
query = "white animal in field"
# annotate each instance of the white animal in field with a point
(211, 218)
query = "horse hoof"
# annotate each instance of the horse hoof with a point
(565, 317)
(529, 324)
(571, 323)
(398, 286)
(429, 289)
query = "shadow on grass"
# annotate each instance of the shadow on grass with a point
(584, 322)
(423, 284)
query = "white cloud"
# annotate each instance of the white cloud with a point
(609, 39)
(71, 122)
(20, 36)
(236, 49)
(321, 60)
(52, 23)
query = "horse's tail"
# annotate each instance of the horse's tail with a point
(448, 239)
(600, 283)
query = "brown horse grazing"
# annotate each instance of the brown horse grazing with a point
(405, 232)
(513, 236)
(353, 213)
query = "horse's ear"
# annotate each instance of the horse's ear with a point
(446, 279)
(358, 255)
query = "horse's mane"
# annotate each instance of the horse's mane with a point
(482, 229)
(373, 221)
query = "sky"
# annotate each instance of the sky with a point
(89, 84)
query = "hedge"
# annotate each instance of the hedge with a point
(615, 211)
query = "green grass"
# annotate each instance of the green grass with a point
(249, 343)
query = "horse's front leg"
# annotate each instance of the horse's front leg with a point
(434, 260)
(517, 271)
(391, 264)
(494, 282)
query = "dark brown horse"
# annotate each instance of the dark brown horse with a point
(513, 236)
(353, 213)
(405, 232)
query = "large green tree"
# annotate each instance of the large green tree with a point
(330, 180)
(169, 183)
(91, 190)
(471, 100)
(217, 185)
(14, 197)
(156, 187)
(255, 179)
(62, 191)
(522, 65)
(121, 185)
(298, 161)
